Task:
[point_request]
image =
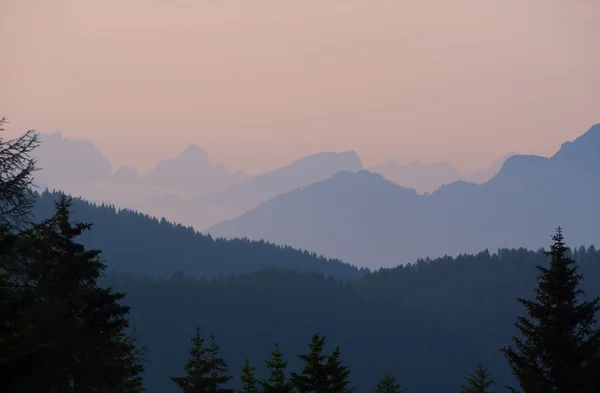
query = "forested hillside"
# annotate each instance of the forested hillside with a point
(428, 323)
(136, 243)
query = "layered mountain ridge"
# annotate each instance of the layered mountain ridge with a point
(362, 217)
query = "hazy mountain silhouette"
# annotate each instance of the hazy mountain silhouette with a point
(428, 178)
(194, 172)
(491, 171)
(367, 220)
(126, 175)
(79, 168)
(65, 162)
(219, 206)
(423, 178)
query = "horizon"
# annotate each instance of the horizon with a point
(382, 163)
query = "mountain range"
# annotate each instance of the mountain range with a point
(367, 220)
(192, 190)
(301, 173)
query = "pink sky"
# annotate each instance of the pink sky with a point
(260, 83)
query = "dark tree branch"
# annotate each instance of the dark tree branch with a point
(16, 178)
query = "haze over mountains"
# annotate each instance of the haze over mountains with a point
(428, 178)
(193, 190)
(231, 202)
(367, 220)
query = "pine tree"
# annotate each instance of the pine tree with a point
(480, 382)
(387, 384)
(80, 327)
(218, 369)
(337, 374)
(314, 373)
(248, 380)
(277, 381)
(196, 369)
(321, 373)
(559, 339)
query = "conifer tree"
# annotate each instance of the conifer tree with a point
(16, 178)
(80, 326)
(16, 201)
(314, 373)
(218, 369)
(559, 339)
(196, 369)
(321, 373)
(479, 382)
(387, 384)
(277, 381)
(337, 374)
(248, 380)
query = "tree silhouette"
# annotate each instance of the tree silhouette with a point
(479, 382)
(248, 380)
(16, 178)
(387, 384)
(277, 381)
(559, 339)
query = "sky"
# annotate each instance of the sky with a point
(261, 83)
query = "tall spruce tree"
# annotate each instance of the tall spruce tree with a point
(277, 381)
(559, 339)
(314, 373)
(479, 382)
(197, 368)
(337, 374)
(218, 369)
(387, 384)
(247, 379)
(81, 327)
(321, 373)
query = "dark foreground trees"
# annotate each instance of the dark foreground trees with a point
(71, 333)
(321, 373)
(59, 331)
(16, 178)
(560, 344)
(205, 371)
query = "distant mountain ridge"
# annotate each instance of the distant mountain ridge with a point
(132, 242)
(245, 196)
(187, 188)
(369, 221)
(428, 178)
(65, 162)
(194, 172)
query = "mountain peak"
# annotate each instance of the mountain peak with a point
(125, 175)
(194, 150)
(584, 148)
